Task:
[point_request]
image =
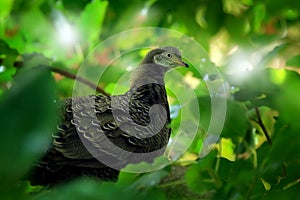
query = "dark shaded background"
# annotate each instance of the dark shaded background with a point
(256, 44)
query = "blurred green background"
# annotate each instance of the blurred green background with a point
(255, 44)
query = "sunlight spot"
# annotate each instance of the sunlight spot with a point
(144, 11)
(206, 77)
(247, 66)
(65, 32)
(174, 111)
(242, 62)
(130, 68)
(2, 68)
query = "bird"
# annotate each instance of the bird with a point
(97, 135)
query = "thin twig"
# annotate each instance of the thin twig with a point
(19, 64)
(261, 124)
(170, 184)
(78, 78)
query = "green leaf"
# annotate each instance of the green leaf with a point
(91, 189)
(228, 171)
(236, 122)
(214, 16)
(288, 98)
(5, 49)
(5, 8)
(9, 56)
(237, 177)
(236, 26)
(84, 188)
(291, 14)
(257, 88)
(294, 61)
(260, 12)
(26, 121)
(205, 111)
(90, 21)
(6, 74)
(75, 5)
(148, 180)
(291, 193)
(33, 37)
(199, 177)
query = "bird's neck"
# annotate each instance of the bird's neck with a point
(147, 74)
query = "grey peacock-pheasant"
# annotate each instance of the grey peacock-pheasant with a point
(118, 130)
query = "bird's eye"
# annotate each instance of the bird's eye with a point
(169, 55)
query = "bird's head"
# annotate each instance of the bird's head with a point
(153, 67)
(168, 57)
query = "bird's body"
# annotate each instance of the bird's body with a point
(99, 135)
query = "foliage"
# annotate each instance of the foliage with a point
(255, 43)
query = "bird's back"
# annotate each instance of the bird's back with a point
(99, 135)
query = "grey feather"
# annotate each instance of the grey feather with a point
(97, 127)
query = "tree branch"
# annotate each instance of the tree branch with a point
(261, 124)
(19, 64)
(80, 79)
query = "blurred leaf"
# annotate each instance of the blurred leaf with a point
(257, 88)
(30, 37)
(205, 111)
(279, 49)
(115, 89)
(75, 5)
(6, 74)
(260, 12)
(126, 179)
(200, 177)
(214, 16)
(5, 49)
(86, 189)
(227, 149)
(35, 59)
(148, 180)
(91, 189)
(285, 134)
(8, 56)
(236, 122)
(5, 8)
(291, 14)
(236, 185)
(27, 112)
(110, 75)
(291, 193)
(234, 7)
(236, 26)
(228, 171)
(17, 42)
(287, 100)
(28, 31)
(294, 61)
(90, 21)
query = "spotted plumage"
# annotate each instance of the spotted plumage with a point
(99, 135)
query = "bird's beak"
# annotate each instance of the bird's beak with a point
(178, 62)
(185, 64)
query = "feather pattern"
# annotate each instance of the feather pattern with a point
(123, 129)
